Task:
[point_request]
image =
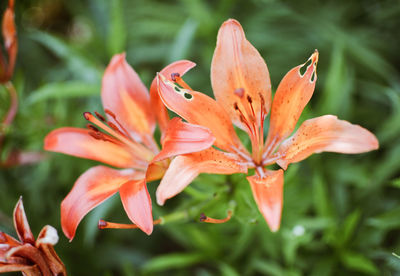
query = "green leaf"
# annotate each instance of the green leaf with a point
(78, 63)
(349, 226)
(67, 89)
(227, 270)
(183, 40)
(387, 221)
(358, 262)
(117, 31)
(172, 261)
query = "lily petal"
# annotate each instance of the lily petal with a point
(124, 94)
(182, 138)
(268, 194)
(199, 109)
(21, 224)
(184, 168)
(180, 67)
(92, 188)
(292, 95)
(238, 66)
(137, 204)
(325, 133)
(78, 142)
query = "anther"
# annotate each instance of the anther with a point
(92, 127)
(100, 116)
(262, 99)
(235, 105)
(239, 92)
(96, 135)
(249, 99)
(174, 76)
(110, 113)
(87, 115)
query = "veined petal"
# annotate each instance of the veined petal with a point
(238, 66)
(184, 168)
(6, 242)
(180, 67)
(137, 204)
(197, 108)
(31, 253)
(21, 224)
(92, 188)
(325, 133)
(268, 194)
(182, 138)
(124, 94)
(13, 267)
(78, 142)
(292, 95)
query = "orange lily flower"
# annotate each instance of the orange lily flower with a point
(241, 85)
(124, 139)
(31, 257)
(10, 44)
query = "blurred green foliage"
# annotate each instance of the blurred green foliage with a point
(341, 213)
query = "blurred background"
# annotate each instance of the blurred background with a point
(341, 212)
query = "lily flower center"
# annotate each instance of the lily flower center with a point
(253, 122)
(116, 134)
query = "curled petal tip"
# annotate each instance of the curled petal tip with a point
(314, 56)
(231, 21)
(116, 60)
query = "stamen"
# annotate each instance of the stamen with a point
(177, 79)
(260, 172)
(272, 159)
(112, 225)
(139, 149)
(125, 132)
(204, 218)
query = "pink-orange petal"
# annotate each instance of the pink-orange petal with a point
(326, 133)
(92, 188)
(184, 168)
(197, 108)
(124, 94)
(78, 142)
(137, 204)
(182, 138)
(268, 194)
(178, 67)
(238, 66)
(292, 95)
(21, 224)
